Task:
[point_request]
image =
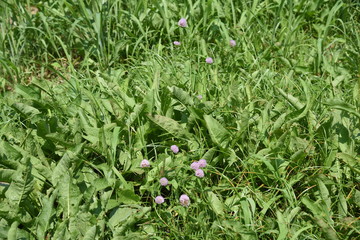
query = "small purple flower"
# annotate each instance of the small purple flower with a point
(209, 60)
(177, 43)
(184, 200)
(175, 149)
(195, 165)
(164, 181)
(144, 163)
(232, 43)
(199, 97)
(202, 163)
(199, 173)
(159, 200)
(182, 22)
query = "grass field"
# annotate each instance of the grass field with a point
(266, 91)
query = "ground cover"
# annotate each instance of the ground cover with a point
(107, 108)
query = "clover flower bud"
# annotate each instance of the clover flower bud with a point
(144, 163)
(164, 181)
(202, 163)
(184, 200)
(159, 200)
(182, 22)
(209, 60)
(175, 149)
(195, 165)
(199, 173)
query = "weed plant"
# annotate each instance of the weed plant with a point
(108, 106)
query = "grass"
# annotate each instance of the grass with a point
(91, 88)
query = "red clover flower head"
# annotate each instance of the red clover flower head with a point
(195, 165)
(202, 163)
(177, 43)
(164, 181)
(182, 22)
(159, 200)
(209, 60)
(199, 173)
(175, 149)
(184, 200)
(232, 43)
(144, 163)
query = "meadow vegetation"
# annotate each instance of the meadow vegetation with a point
(266, 91)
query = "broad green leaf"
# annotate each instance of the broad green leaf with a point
(182, 96)
(57, 138)
(351, 161)
(120, 215)
(127, 196)
(291, 99)
(47, 211)
(69, 195)
(9, 151)
(219, 135)
(13, 230)
(324, 192)
(101, 183)
(138, 109)
(21, 186)
(28, 112)
(215, 203)
(282, 226)
(171, 126)
(131, 221)
(130, 102)
(315, 210)
(28, 92)
(341, 105)
(246, 211)
(90, 233)
(297, 233)
(319, 219)
(61, 232)
(65, 163)
(6, 175)
(342, 205)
